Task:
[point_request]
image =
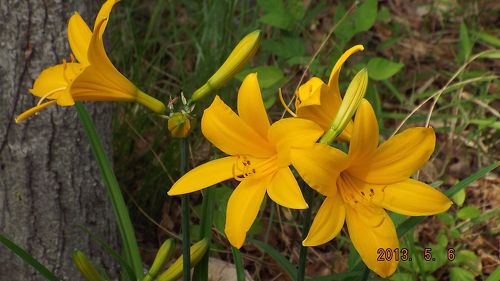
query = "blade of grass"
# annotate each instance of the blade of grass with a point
(201, 269)
(238, 262)
(278, 257)
(29, 259)
(113, 189)
(186, 243)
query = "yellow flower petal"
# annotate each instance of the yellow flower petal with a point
(364, 139)
(414, 198)
(228, 132)
(324, 111)
(243, 207)
(398, 158)
(284, 190)
(334, 75)
(319, 166)
(251, 107)
(55, 80)
(310, 93)
(368, 240)
(327, 223)
(204, 176)
(290, 133)
(79, 36)
(33, 110)
(101, 79)
(104, 14)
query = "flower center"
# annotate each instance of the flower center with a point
(362, 197)
(247, 166)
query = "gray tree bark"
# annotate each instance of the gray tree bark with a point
(49, 182)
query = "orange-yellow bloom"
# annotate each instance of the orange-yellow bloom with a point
(370, 178)
(92, 78)
(259, 158)
(320, 102)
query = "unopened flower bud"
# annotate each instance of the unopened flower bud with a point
(197, 252)
(179, 125)
(89, 272)
(242, 53)
(166, 250)
(352, 99)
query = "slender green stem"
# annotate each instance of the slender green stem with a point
(201, 269)
(186, 266)
(306, 223)
(113, 189)
(238, 262)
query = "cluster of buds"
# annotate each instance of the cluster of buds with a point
(173, 272)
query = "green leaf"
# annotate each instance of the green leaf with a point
(466, 257)
(275, 14)
(285, 47)
(468, 212)
(470, 179)
(267, 75)
(365, 15)
(29, 259)
(222, 194)
(465, 43)
(460, 274)
(381, 69)
(384, 15)
(129, 242)
(495, 275)
(345, 30)
(446, 218)
(399, 276)
(487, 38)
(288, 267)
(459, 198)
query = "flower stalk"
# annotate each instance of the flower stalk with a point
(185, 218)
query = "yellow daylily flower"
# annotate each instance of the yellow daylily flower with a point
(259, 158)
(320, 102)
(92, 78)
(359, 185)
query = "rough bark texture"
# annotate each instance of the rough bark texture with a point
(49, 182)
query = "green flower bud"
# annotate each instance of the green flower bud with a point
(175, 270)
(242, 53)
(352, 99)
(86, 267)
(166, 250)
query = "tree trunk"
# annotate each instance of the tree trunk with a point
(50, 186)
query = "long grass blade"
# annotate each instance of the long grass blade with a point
(201, 269)
(113, 189)
(29, 259)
